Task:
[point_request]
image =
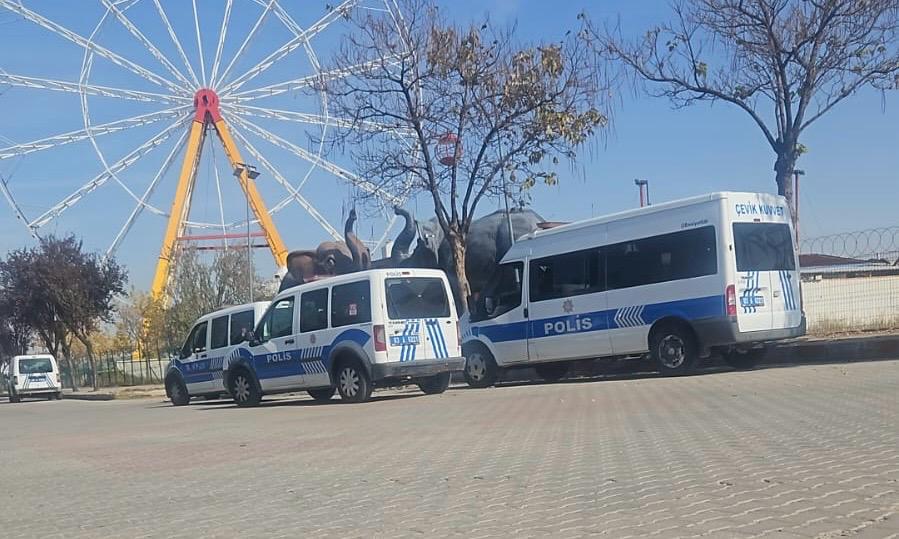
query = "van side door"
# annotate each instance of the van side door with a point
(313, 337)
(194, 364)
(275, 356)
(568, 302)
(500, 316)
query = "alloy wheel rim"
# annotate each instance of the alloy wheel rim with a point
(476, 367)
(349, 381)
(672, 351)
(241, 388)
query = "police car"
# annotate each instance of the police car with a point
(350, 334)
(675, 282)
(197, 371)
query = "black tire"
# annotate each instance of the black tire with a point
(353, 383)
(480, 367)
(177, 391)
(59, 395)
(244, 389)
(322, 395)
(743, 359)
(552, 372)
(673, 349)
(435, 385)
(14, 399)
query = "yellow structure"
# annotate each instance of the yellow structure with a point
(207, 113)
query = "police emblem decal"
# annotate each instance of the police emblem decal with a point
(568, 306)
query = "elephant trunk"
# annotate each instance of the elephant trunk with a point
(401, 246)
(361, 256)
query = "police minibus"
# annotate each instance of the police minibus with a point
(351, 333)
(197, 371)
(674, 281)
(33, 376)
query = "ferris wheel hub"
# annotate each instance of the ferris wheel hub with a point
(206, 104)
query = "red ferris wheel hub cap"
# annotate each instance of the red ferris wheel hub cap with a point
(206, 103)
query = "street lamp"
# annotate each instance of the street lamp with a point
(643, 185)
(252, 174)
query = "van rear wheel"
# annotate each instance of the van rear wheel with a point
(673, 349)
(551, 372)
(353, 382)
(480, 367)
(435, 385)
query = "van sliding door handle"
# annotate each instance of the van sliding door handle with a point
(289, 341)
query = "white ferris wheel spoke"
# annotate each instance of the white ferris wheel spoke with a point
(222, 33)
(82, 134)
(246, 42)
(199, 43)
(218, 189)
(139, 207)
(106, 175)
(176, 41)
(146, 42)
(91, 46)
(294, 193)
(306, 118)
(305, 82)
(90, 89)
(334, 169)
(288, 47)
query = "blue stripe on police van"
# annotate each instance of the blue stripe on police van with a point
(688, 309)
(438, 342)
(789, 295)
(786, 293)
(416, 336)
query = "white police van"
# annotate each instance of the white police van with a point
(197, 371)
(33, 376)
(676, 281)
(351, 333)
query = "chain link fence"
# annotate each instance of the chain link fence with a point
(850, 281)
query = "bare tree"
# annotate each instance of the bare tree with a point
(786, 63)
(452, 111)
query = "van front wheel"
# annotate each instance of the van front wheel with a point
(244, 390)
(673, 349)
(177, 392)
(480, 367)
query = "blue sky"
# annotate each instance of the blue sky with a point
(852, 168)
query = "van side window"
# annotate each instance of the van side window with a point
(278, 321)
(568, 274)
(351, 304)
(241, 326)
(658, 259)
(219, 337)
(196, 341)
(503, 292)
(314, 310)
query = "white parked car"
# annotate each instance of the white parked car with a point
(351, 333)
(198, 369)
(33, 376)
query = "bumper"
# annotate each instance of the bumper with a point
(725, 331)
(30, 392)
(416, 369)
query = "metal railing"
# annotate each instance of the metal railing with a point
(850, 281)
(114, 370)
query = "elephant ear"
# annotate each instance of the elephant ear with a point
(289, 281)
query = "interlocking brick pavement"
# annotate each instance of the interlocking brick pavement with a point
(806, 451)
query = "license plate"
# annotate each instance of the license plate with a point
(403, 340)
(755, 301)
(36, 378)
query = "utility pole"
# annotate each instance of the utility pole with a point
(643, 185)
(796, 173)
(252, 174)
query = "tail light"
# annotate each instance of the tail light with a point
(380, 339)
(730, 295)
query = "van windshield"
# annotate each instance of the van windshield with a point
(416, 297)
(35, 365)
(763, 247)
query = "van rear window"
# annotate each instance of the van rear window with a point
(416, 297)
(35, 365)
(764, 247)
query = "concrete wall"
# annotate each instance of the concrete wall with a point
(856, 304)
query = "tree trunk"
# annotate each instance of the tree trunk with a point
(89, 348)
(67, 352)
(463, 289)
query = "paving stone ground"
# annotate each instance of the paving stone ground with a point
(805, 451)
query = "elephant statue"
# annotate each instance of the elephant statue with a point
(330, 258)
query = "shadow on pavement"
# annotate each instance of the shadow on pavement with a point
(297, 402)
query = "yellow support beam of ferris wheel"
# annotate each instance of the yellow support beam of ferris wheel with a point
(207, 112)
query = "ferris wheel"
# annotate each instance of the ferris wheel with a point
(170, 97)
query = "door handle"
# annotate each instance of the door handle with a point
(289, 341)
